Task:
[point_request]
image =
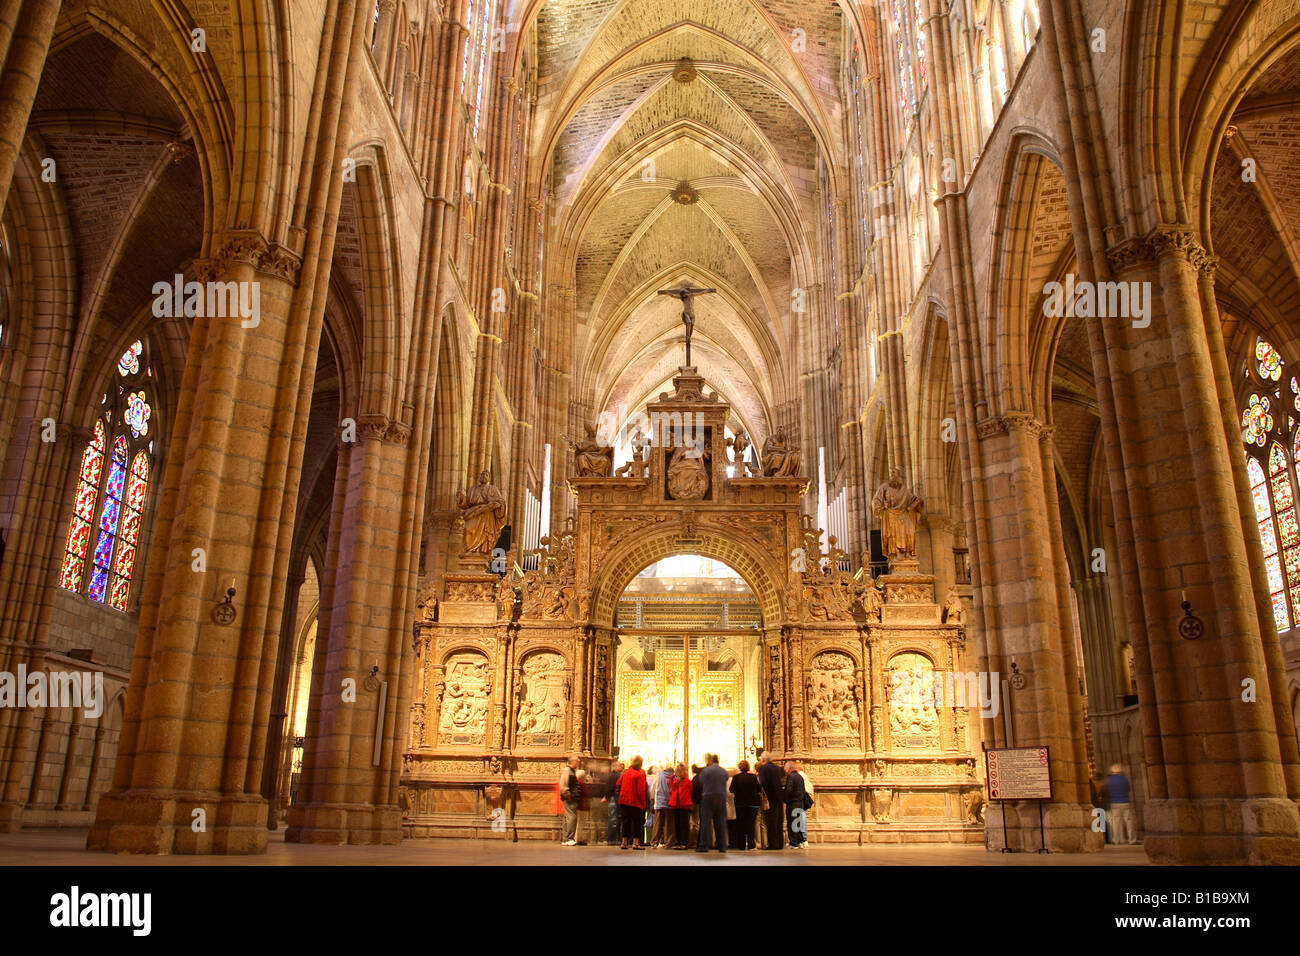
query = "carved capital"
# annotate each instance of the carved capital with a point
(1012, 421)
(252, 248)
(1175, 242)
(1129, 254)
(382, 428)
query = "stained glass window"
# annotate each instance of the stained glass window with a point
(903, 51)
(111, 491)
(83, 511)
(1270, 363)
(137, 413)
(129, 363)
(1256, 422)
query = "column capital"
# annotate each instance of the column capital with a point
(1166, 241)
(249, 246)
(382, 428)
(1013, 421)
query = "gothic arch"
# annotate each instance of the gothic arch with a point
(384, 338)
(1031, 163)
(744, 555)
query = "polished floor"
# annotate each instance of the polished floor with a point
(67, 848)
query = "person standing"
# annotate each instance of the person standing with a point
(570, 788)
(664, 816)
(744, 787)
(795, 813)
(713, 805)
(584, 807)
(769, 780)
(679, 798)
(613, 822)
(697, 797)
(651, 781)
(1101, 800)
(631, 803)
(1120, 791)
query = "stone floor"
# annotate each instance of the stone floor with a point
(67, 848)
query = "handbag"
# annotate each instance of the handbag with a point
(807, 801)
(762, 801)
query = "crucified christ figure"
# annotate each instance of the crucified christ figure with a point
(688, 312)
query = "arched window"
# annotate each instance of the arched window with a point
(479, 42)
(902, 13)
(112, 486)
(1272, 441)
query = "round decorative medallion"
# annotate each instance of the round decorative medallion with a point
(223, 614)
(684, 71)
(1018, 681)
(683, 193)
(1190, 627)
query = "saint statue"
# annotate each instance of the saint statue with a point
(899, 510)
(952, 606)
(637, 467)
(590, 458)
(483, 509)
(739, 445)
(779, 459)
(688, 471)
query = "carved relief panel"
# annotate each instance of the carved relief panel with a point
(913, 714)
(465, 691)
(543, 700)
(833, 707)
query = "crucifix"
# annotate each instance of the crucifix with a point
(687, 296)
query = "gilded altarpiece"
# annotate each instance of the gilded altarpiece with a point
(517, 672)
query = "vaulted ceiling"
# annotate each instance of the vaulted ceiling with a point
(687, 143)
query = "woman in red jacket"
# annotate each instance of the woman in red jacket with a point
(631, 803)
(679, 798)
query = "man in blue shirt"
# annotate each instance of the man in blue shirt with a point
(1121, 808)
(713, 805)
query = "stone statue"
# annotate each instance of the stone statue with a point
(590, 458)
(869, 598)
(952, 606)
(483, 509)
(688, 472)
(899, 510)
(505, 601)
(779, 459)
(637, 467)
(687, 297)
(739, 446)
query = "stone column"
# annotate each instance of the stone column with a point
(285, 669)
(348, 797)
(1222, 763)
(1026, 621)
(26, 29)
(195, 683)
(95, 756)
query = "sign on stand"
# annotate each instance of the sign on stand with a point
(1020, 773)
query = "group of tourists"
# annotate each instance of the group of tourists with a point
(710, 806)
